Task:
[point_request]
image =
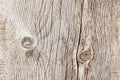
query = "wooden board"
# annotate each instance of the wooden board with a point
(59, 39)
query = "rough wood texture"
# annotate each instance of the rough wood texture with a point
(59, 39)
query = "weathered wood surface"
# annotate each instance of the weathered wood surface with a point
(59, 39)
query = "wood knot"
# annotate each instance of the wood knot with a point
(27, 42)
(29, 53)
(85, 56)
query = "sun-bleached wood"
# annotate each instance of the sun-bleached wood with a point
(59, 39)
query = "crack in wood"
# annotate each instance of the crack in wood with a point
(82, 6)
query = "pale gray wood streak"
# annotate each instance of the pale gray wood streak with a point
(59, 39)
(98, 38)
(54, 25)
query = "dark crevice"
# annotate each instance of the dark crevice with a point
(66, 71)
(72, 70)
(38, 58)
(81, 19)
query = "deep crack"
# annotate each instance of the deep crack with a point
(81, 19)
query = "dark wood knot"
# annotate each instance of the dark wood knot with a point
(85, 56)
(27, 42)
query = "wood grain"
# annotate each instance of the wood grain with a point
(59, 39)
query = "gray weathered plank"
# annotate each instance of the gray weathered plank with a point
(59, 39)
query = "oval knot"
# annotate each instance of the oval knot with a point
(28, 42)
